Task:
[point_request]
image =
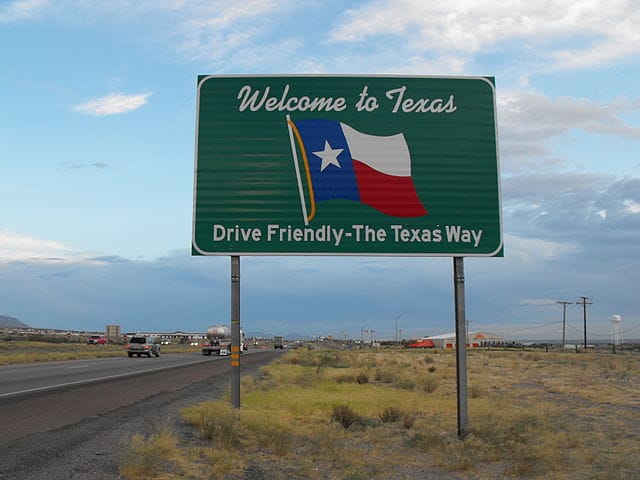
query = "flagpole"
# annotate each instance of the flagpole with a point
(295, 164)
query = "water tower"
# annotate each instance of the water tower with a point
(616, 330)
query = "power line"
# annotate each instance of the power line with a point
(629, 329)
(602, 335)
(593, 334)
(533, 327)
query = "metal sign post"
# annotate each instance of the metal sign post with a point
(235, 331)
(461, 346)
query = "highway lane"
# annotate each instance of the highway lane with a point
(82, 432)
(52, 408)
(26, 379)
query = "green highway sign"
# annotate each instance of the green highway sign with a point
(346, 165)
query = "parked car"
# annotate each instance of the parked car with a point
(96, 340)
(140, 345)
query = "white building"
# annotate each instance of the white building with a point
(474, 340)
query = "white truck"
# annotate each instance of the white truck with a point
(219, 341)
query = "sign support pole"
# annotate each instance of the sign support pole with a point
(461, 346)
(235, 331)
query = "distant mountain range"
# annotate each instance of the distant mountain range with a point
(6, 321)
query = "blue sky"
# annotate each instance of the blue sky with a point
(97, 130)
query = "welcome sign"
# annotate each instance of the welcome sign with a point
(346, 165)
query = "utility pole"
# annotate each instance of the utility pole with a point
(585, 302)
(564, 319)
(397, 325)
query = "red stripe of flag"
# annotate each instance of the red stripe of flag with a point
(390, 194)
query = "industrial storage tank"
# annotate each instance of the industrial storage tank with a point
(218, 331)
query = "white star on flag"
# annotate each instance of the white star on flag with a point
(329, 156)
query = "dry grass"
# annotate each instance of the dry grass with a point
(149, 458)
(14, 352)
(24, 351)
(539, 416)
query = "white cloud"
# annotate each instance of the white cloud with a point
(113, 104)
(632, 206)
(430, 37)
(535, 116)
(529, 120)
(473, 26)
(538, 302)
(618, 42)
(533, 250)
(213, 31)
(22, 10)
(445, 65)
(16, 247)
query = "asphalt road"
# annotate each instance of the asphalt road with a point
(81, 431)
(80, 389)
(17, 380)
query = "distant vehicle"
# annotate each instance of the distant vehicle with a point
(140, 345)
(219, 341)
(96, 340)
(277, 342)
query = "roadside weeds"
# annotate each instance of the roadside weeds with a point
(311, 414)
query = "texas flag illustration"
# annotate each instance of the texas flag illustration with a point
(343, 163)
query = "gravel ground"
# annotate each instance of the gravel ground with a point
(93, 448)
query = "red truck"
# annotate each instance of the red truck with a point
(96, 340)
